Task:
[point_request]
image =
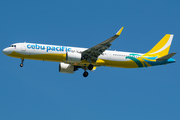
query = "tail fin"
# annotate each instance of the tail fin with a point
(162, 47)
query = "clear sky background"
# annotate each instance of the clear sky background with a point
(39, 92)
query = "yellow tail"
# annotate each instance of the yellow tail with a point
(162, 47)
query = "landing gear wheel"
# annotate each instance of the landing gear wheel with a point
(22, 61)
(90, 67)
(21, 65)
(85, 74)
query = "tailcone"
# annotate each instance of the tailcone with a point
(171, 60)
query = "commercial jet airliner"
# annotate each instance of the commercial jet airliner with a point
(73, 58)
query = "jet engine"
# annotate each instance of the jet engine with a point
(66, 68)
(73, 57)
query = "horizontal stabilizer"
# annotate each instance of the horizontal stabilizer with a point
(165, 57)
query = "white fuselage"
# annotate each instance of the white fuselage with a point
(58, 54)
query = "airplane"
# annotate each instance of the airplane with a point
(73, 58)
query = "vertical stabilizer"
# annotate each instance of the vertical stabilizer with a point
(162, 47)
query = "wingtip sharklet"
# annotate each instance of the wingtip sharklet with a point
(119, 32)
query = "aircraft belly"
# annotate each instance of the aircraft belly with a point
(129, 62)
(45, 57)
(121, 64)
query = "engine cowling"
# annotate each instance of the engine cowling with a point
(66, 68)
(73, 57)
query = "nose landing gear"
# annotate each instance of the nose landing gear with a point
(22, 61)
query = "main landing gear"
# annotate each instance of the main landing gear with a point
(22, 61)
(90, 67)
(85, 74)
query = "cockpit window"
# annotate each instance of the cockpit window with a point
(13, 46)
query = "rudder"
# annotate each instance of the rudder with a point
(162, 47)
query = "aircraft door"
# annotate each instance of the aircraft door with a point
(23, 47)
(108, 55)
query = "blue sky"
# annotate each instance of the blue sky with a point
(39, 91)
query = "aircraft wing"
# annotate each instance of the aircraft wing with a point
(92, 53)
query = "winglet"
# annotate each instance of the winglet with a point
(119, 32)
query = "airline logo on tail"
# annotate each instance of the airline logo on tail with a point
(162, 47)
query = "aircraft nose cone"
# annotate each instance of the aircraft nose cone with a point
(6, 51)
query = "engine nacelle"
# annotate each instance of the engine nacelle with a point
(73, 57)
(66, 68)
